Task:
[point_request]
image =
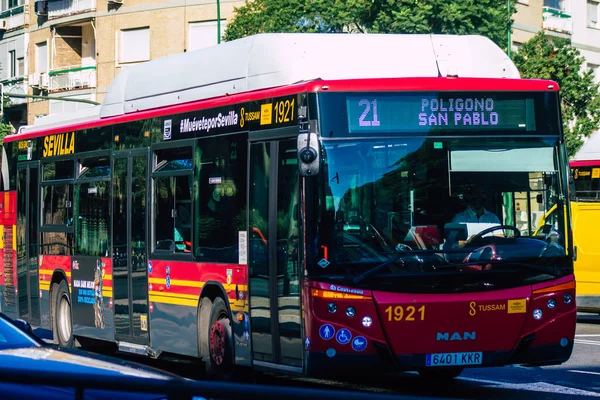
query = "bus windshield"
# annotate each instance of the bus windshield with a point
(391, 208)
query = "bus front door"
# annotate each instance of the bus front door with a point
(130, 263)
(28, 202)
(275, 309)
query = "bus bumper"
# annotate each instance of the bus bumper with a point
(348, 364)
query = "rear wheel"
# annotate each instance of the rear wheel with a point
(219, 363)
(63, 323)
(441, 374)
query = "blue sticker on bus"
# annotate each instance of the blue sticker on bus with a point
(149, 267)
(343, 336)
(168, 281)
(359, 343)
(326, 332)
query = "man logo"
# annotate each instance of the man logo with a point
(446, 336)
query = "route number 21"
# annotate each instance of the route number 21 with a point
(369, 111)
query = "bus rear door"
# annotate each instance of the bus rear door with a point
(28, 202)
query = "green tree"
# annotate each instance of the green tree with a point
(490, 18)
(549, 57)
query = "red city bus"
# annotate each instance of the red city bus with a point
(293, 206)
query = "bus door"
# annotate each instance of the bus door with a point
(275, 308)
(130, 265)
(28, 212)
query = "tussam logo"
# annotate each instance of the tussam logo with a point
(446, 336)
(206, 124)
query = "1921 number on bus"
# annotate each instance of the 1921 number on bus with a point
(284, 111)
(398, 313)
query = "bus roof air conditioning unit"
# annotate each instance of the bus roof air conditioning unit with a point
(41, 7)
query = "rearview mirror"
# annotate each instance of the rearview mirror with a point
(308, 154)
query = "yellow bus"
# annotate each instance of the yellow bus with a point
(585, 212)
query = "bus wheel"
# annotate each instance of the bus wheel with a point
(220, 346)
(63, 324)
(441, 374)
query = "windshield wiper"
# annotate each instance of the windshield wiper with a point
(517, 263)
(392, 260)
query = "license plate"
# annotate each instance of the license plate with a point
(445, 359)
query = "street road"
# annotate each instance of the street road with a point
(577, 379)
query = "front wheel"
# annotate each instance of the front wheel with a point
(440, 374)
(220, 342)
(63, 323)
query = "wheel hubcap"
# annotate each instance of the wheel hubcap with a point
(218, 340)
(64, 319)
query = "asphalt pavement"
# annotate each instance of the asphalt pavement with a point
(578, 378)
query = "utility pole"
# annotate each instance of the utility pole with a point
(508, 48)
(218, 21)
(33, 96)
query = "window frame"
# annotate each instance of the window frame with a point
(153, 176)
(122, 47)
(591, 20)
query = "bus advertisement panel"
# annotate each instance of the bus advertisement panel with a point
(301, 227)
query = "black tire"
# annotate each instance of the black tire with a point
(219, 363)
(53, 311)
(440, 374)
(63, 320)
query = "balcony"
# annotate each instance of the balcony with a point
(14, 18)
(16, 86)
(63, 8)
(557, 20)
(72, 78)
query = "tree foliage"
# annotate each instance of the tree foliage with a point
(490, 18)
(549, 57)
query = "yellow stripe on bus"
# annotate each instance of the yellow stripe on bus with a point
(14, 237)
(50, 272)
(172, 300)
(1, 236)
(175, 282)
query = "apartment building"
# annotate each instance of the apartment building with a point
(74, 48)
(576, 20)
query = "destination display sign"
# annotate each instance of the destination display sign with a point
(439, 112)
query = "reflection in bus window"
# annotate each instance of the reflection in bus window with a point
(92, 224)
(57, 205)
(221, 171)
(173, 200)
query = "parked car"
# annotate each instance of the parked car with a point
(32, 369)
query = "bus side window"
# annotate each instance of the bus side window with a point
(173, 200)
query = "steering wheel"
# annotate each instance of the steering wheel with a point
(480, 235)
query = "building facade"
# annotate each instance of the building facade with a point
(74, 48)
(576, 20)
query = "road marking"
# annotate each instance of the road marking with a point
(584, 372)
(589, 335)
(592, 342)
(535, 387)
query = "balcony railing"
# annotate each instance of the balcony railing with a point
(61, 8)
(72, 78)
(14, 17)
(557, 20)
(16, 86)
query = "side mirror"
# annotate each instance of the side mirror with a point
(308, 154)
(23, 325)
